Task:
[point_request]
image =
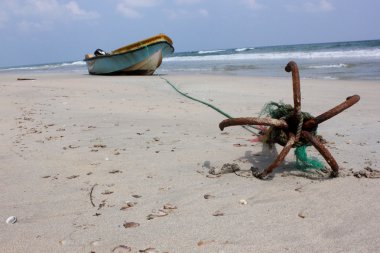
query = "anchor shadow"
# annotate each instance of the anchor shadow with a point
(261, 160)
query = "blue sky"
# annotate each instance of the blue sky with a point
(45, 31)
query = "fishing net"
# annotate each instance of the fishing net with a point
(276, 135)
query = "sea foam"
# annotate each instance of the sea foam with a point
(46, 66)
(211, 51)
(340, 65)
(368, 53)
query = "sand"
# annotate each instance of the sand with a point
(88, 163)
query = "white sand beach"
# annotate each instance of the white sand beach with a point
(86, 160)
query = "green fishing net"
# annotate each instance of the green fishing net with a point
(275, 135)
(303, 162)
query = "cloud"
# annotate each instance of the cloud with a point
(142, 3)
(325, 5)
(203, 12)
(132, 8)
(186, 11)
(34, 26)
(253, 4)
(42, 14)
(127, 11)
(74, 9)
(3, 18)
(315, 6)
(42, 6)
(176, 14)
(186, 14)
(53, 7)
(187, 1)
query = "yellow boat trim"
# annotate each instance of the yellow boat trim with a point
(143, 43)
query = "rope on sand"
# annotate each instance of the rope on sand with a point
(211, 106)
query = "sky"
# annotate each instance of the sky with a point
(48, 31)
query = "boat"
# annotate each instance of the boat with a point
(140, 58)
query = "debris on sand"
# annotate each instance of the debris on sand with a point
(367, 172)
(122, 249)
(225, 169)
(131, 224)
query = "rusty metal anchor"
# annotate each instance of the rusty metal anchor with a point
(294, 127)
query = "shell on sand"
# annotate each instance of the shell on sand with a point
(11, 220)
(243, 202)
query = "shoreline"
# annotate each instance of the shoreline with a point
(59, 73)
(86, 160)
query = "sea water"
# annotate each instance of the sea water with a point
(359, 60)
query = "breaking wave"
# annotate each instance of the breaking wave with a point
(243, 49)
(372, 53)
(211, 51)
(46, 66)
(329, 66)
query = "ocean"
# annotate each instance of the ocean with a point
(357, 60)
